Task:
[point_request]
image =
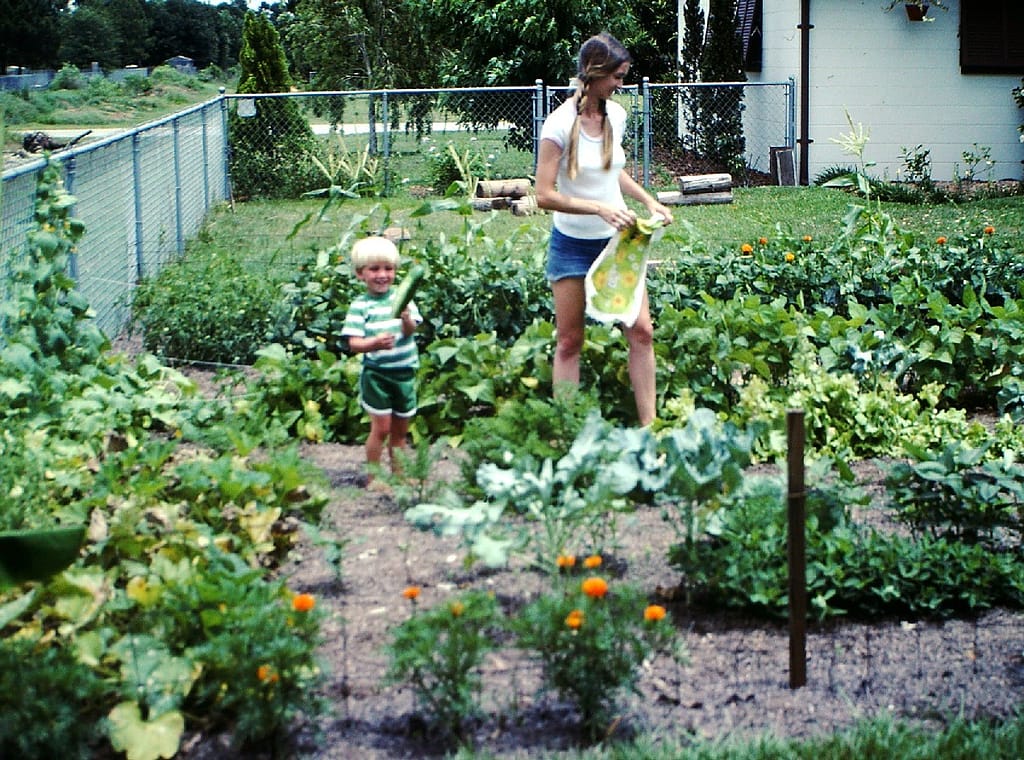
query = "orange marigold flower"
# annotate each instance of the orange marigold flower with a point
(594, 560)
(566, 560)
(990, 230)
(595, 587)
(941, 240)
(263, 672)
(654, 612)
(574, 619)
(457, 608)
(747, 248)
(790, 256)
(411, 592)
(807, 238)
(303, 602)
(763, 241)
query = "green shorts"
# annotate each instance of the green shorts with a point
(388, 391)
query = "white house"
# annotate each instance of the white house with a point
(945, 84)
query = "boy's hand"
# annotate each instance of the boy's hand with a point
(408, 323)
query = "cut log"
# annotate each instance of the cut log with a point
(509, 188)
(490, 204)
(703, 183)
(674, 198)
(524, 206)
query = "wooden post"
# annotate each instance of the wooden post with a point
(797, 551)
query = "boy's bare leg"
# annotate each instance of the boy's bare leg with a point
(397, 440)
(380, 433)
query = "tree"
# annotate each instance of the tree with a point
(271, 147)
(721, 111)
(29, 33)
(88, 36)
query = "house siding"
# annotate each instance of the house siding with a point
(901, 79)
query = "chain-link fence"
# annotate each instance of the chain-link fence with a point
(420, 141)
(144, 193)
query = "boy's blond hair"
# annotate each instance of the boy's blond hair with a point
(373, 250)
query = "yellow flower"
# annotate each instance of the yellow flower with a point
(457, 608)
(747, 248)
(654, 613)
(990, 230)
(303, 602)
(790, 256)
(595, 587)
(594, 560)
(807, 238)
(628, 279)
(574, 619)
(565, 561)
(411, 592)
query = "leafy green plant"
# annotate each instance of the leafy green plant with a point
(592, 639)
(452, 171)
(439, 651)
(960, 493)
(50, 702)
(252, 641)
(348, 173)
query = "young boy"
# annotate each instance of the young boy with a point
(387, 386)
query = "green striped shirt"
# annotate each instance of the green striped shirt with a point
(365, 314)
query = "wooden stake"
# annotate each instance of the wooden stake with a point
(797, 551)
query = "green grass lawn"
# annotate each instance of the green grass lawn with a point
(262, 229)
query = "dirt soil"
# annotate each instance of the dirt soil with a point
(734, 684)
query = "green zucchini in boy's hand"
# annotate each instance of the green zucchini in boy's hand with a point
(406, 289)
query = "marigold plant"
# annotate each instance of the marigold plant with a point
(593, 561)
(411, 593)
(438, 653)
(592, 643)
(566, 561)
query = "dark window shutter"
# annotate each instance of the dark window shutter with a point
(992, 37)
(748, 26)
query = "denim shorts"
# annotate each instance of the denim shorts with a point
(571, 257)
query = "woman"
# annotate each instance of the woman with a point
(581, 177)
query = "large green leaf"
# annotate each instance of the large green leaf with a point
(35, 555)
(145, 739)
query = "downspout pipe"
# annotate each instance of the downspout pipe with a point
(805, 89)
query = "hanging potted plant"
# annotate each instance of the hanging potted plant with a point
(917, 10)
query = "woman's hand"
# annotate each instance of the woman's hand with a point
(662, 210)
(619, 218)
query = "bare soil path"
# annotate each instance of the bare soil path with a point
(735, 683)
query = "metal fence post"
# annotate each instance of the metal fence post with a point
(791, 113)
(539, 113)
(178, 221)
(645, 95)
(227, 143)
(137, 203)
(206, 161)
(385, 127)
(69, 185)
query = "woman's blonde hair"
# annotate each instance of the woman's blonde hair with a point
(374, 250)
(600, 56)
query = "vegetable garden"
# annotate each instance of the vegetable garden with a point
(184, 615)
